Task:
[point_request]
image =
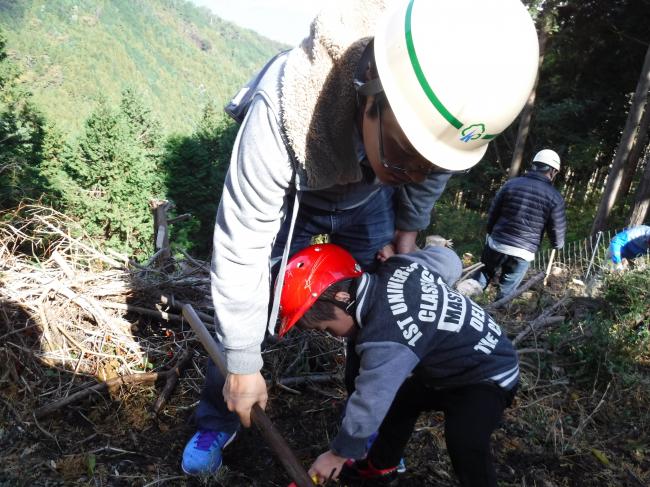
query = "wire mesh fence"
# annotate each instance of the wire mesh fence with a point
(583, 257)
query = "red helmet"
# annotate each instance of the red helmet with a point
(308, 274)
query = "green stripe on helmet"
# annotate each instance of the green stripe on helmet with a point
(424, 84)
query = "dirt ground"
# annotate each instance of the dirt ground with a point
(567, 426)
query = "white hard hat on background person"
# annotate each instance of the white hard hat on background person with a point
(456, 74)
(548, 157)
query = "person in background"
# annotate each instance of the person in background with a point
(422, 346)
(352, 134)
(522, 210)
(628, 245)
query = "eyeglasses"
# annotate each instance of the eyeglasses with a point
(392, 167)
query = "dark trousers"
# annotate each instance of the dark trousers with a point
(513, 270)
(471, 415)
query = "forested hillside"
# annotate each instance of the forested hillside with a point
(178, 57)
(106, 106)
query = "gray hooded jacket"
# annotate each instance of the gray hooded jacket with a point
(306, 98)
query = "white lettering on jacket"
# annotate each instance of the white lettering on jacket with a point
(453, 310)
(395, 289)
(428, 298)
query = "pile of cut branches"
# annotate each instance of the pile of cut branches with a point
(68, 307)
(66, 287)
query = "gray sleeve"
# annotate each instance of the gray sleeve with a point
(384, 367)
(442, 260)
(249, 217)
(415, 202)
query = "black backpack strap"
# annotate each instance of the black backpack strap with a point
(363, 87)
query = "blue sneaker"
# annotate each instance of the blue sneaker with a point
(401, 466)
(202, 454)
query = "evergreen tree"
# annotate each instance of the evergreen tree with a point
(56, 154)
(145, 132)
(142, 125)
(196, 167)
(21, 136)
(117, 179)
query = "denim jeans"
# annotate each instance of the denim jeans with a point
(513, 270)
(362, 231)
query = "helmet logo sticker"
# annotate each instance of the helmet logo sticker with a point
(472, 132)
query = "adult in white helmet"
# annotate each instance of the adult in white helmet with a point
(523, 209)
(353, 140)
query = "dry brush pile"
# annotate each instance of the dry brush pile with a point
(77, 321)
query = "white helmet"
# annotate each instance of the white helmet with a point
(548, 157)
(456, 73)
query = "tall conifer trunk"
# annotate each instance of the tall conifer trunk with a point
(615, 176)
(642, 199)
(527, 112)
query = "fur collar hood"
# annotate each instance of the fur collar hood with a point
(318, 98)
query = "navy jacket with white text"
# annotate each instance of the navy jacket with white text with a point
(411, 321)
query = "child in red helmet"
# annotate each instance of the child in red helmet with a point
(421, 345)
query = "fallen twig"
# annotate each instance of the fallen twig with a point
(524, 351)
(548, 267)
(144, 378)
(163, 315)
(543, 320)
(505, 300)
(95, 253)
(65, 267)
(196, 263)
(306, 379)
(470, 270)
(171, 381)
(584, 422)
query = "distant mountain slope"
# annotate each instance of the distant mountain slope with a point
(176, 55)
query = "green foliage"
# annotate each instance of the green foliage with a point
(115, 173)
(589, 71)
(466, 228)
(56, 155)
(141, 122)
(176, 55)
(21, 135)
(196, 168)
(166, 59)
(103, 164)
(620, 331)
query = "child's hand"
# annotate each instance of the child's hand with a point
(386, 252)
(327, 466)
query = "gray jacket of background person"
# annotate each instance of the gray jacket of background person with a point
(523, 209)
(306, 98)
